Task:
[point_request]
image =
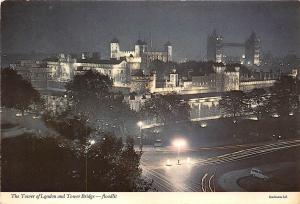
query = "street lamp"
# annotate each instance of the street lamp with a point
(140, 124)
(179, 143)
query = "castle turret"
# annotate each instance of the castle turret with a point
(140, 47)
(168, 48)
(114, 48)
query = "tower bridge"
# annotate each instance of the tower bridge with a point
(233, 44)
(216, 45)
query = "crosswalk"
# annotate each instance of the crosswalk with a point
(248, 153)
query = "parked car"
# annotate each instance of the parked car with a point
(36, 116)
(255, 172)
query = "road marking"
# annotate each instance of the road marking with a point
(247, 153)
(202, 182)
(209, 184)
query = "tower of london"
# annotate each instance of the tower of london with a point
(142, 55)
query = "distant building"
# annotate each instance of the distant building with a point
(34, 71)
(117, 70)
(63, 68)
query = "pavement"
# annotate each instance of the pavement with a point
(12, 132)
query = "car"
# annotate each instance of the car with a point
(168, 163)
(275, 115)
(36, 117)
(203, 124)
(255, 172)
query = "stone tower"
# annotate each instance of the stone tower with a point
(114, 48)
(214, 47)
(168, 48)
(252, 50)
(140, 47)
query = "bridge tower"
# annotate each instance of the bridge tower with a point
(215, 47)
(252, 50)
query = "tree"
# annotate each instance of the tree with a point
(233, 104)
(70, 126)
(90, 84)
(115, 167)
(258, 103)
(166, 108)
(91, 95)
(49, 164)
(17, 92)
(88, 89)
(284, 98)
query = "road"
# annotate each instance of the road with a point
(200, 168)
(27, 121)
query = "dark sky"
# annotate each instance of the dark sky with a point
(53, 27)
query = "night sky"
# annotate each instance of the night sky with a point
(52, 27)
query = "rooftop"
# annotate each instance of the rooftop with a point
(168, 43)
(97, 61)
(115, 40)
(141, 42)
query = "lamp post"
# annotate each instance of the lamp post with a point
(140, 124)
(179, 143)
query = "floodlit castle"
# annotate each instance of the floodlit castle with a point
(142, 55)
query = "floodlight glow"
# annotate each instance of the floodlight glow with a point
(140, 123)
(92, 142)
(179, 143)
